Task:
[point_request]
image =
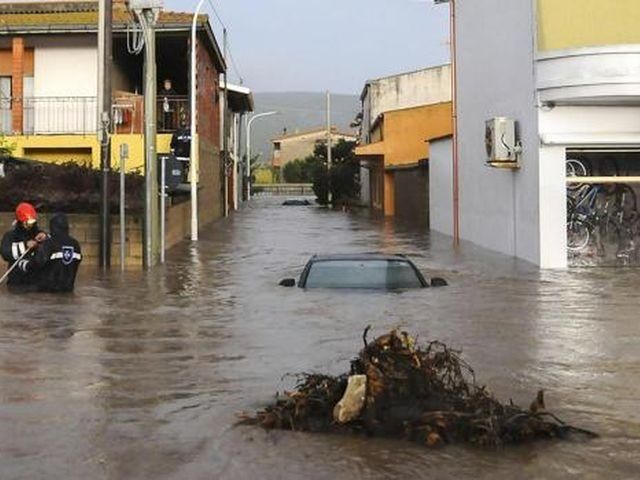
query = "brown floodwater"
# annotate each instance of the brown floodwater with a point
(139, 376)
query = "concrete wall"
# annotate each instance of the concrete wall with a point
(84, 148)
(365, 186)
(86, 229)
(65, 66)
(499, 209)
(590, 76)
(441, 187)
(413, 89)
(407, 131)
(568, 24)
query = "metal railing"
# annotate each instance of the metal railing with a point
(276, 189)
(78, 115)
(59, 115)
(173, 113)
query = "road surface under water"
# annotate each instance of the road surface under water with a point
(140, 376)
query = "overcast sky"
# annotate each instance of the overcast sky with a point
(315, 45)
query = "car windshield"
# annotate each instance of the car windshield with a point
(376, 274)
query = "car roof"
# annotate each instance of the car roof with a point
(358, 257)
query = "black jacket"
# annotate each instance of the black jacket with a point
(14, 244)
(56, 262)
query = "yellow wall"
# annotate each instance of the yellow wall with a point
(83, 148)
(264, 176)
(567, 24)
(406, 132)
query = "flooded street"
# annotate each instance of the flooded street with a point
(140, 376)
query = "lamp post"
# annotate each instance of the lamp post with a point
(248, 147)
(193, 154)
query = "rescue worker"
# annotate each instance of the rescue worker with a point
(21, 243)
(55, 265)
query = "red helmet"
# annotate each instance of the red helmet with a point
(26, 213)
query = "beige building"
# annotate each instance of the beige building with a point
(289, 147)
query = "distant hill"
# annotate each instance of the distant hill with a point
(298, 111)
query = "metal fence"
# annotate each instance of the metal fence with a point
(275, 189)
(78, 115)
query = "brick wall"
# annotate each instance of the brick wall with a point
(211, 185)
(86, 229)
(17, 83)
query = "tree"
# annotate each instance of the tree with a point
(299, 170)
(6, 147)
(344, 175)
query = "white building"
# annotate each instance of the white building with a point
(568, 73)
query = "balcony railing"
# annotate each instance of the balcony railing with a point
(56, 115)
(78, 115)
(173, 113)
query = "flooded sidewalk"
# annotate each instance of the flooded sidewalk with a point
(139, 376)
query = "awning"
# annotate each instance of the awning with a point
(370, 149)
(421, 164)
(240, 98)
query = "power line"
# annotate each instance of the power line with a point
(233, 63)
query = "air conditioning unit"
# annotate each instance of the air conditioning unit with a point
(503, 147)
(146, 4)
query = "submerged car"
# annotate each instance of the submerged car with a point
(296, 203)
(363, 271)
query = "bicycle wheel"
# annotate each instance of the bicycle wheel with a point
(578, 235)
(575, 168)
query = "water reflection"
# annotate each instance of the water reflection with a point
(140, 375)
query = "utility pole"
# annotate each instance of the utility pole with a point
(105, 60)
(152, 223)
(329, 159)
(247, 151)
(225, 130)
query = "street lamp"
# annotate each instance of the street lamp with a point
(248, 147)
(193, 154)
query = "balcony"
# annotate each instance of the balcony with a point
(78, 115)
(590, 76)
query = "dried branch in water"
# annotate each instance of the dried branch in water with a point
(424, 394)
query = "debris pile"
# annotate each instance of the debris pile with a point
(398, 389)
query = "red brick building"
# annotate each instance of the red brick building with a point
(48, 88)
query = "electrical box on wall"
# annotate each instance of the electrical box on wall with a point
(503, 147)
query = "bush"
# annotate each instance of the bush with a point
(66, 188)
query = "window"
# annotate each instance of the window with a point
(5, 105)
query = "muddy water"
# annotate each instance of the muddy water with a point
(140, 376)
